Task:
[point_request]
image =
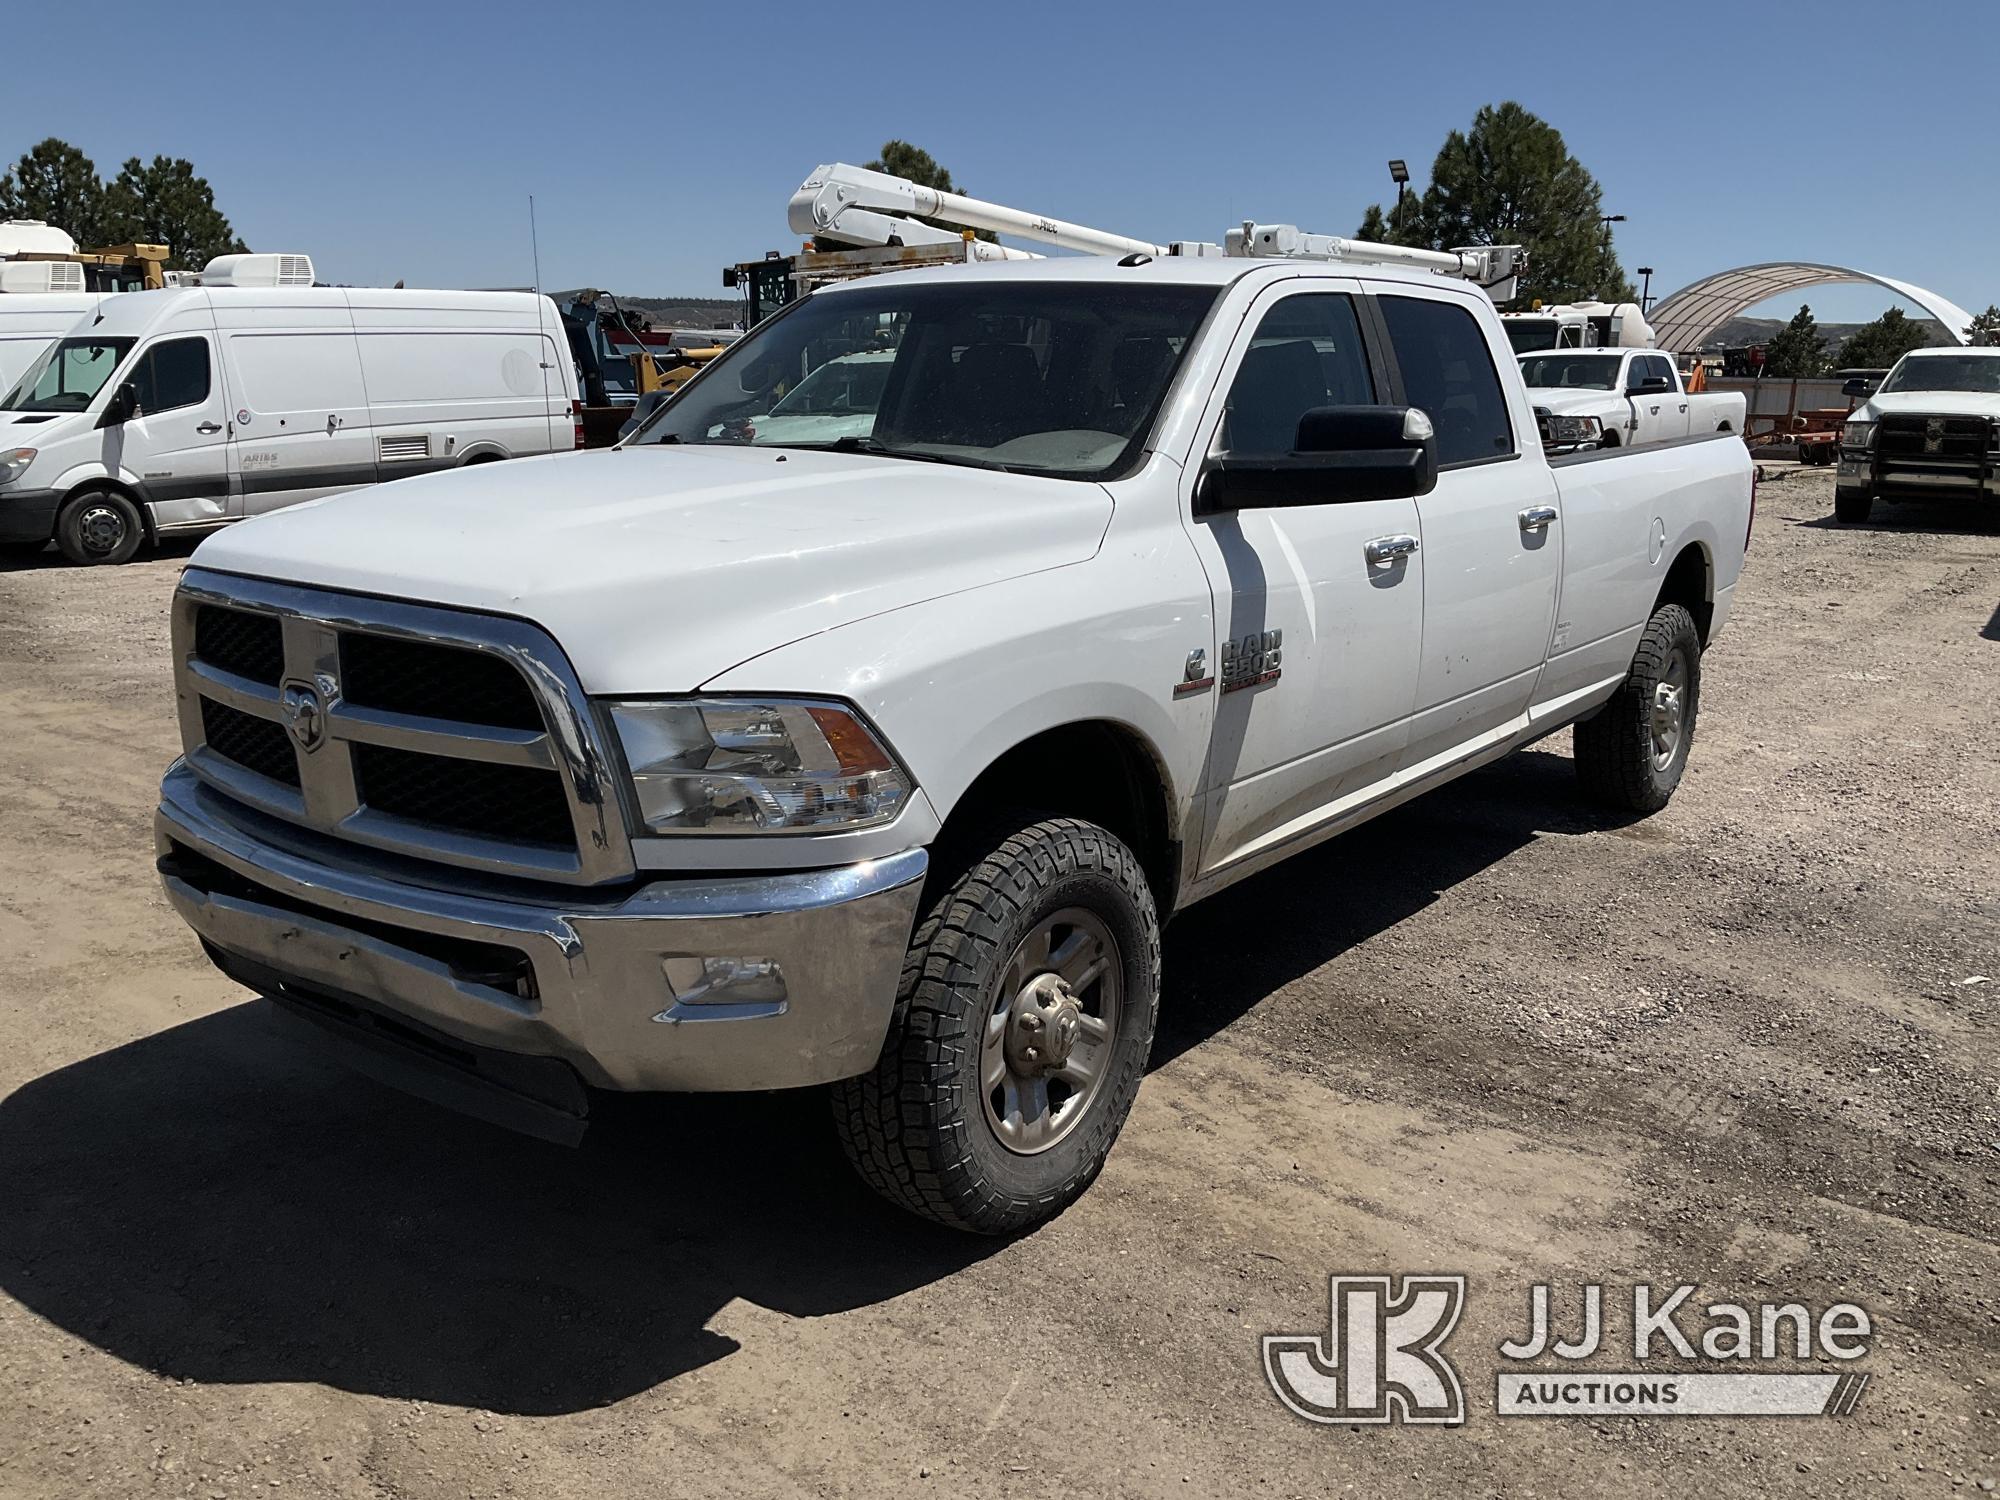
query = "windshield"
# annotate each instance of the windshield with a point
(839, 387)
(1529, 334)
(1947, 372)
(1572, 372)
(66, 377)
(1057, 378)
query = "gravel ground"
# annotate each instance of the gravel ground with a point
(1741, 1043)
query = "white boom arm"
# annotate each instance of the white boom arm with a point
(855, 206)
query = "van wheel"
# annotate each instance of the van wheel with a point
(1630, 754)
(1021, 1030)
(99, 526)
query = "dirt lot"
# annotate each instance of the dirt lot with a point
(1736, 1044)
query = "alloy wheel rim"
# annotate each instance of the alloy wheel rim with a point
(1669, 717)
(1045, 1052)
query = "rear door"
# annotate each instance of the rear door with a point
(301, 415)
(1491, 529)
(1317, 645)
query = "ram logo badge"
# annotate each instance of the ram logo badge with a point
(1254, 659)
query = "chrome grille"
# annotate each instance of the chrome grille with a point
(436, 733)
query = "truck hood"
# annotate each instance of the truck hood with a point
(658, 567)
(1930, 404)
(1564, 401)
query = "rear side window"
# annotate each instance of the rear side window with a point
(174, 372)
(1305, 353)
(1448, 374)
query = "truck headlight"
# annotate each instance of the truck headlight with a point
(14, 463)
(1570, 431)
(1858, 435)
(721, 765)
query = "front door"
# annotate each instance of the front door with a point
(1317, 643)
(1492, 534)
(177, 444)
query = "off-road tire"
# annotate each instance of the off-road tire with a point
(916, 1127)
(1615, 748)
(1852, 507)
(85, 523)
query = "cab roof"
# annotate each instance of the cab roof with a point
(1171, 270)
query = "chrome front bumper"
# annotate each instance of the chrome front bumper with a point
(698, 984)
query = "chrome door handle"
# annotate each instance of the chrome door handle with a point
(1386, 549)
(1537, 517)
(207, 427)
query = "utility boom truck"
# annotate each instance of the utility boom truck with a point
(871, 749)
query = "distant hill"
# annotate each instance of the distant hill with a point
(686, 312)
(1738, 332)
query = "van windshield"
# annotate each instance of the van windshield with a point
(68, 375)
(1040, 377)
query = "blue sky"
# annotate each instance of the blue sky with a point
(662, 141)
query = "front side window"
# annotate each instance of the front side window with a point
(1034, 376)
(1448, 374)
(68, 376)
(1306, 353)
(174, 372)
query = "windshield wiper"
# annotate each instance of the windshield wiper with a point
(857, 443)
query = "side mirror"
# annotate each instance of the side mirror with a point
(1341, 454)
(1858, 389)
(122, 407)
(1649, 385)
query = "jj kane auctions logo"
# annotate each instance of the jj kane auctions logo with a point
(1382, 1358)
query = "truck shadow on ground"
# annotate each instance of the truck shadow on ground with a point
(214, 1204)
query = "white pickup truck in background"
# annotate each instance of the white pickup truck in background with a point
(1930, 431)
(740, 758)
(1634, 395)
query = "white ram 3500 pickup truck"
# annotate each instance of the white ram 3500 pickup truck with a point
(1930, 431)
(1632, 396)
(715, 763)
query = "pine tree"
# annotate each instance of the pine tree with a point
(1511, 180)
(167, 204)
(1877, 345)
(1797, 350)
(57, 183)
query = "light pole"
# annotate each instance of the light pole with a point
(1646, 291)
(1399, 173)
(1607, 220)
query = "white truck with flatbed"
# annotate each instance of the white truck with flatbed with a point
(1929, 431)
(1621, 397)
(728, 761)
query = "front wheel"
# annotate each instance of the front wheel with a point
(100, 526)
(1852, 506)
(1630, 754)
(1021, 1031)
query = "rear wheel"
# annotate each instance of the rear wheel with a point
(1852, 506)
(1631, 753)
(1020, 1034)
(99, 526)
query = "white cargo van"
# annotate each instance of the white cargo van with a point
(182, 410)
(31, 321)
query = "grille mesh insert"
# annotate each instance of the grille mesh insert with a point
(516, 804)
(253, 743)
(443, 682)
(249, 645)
